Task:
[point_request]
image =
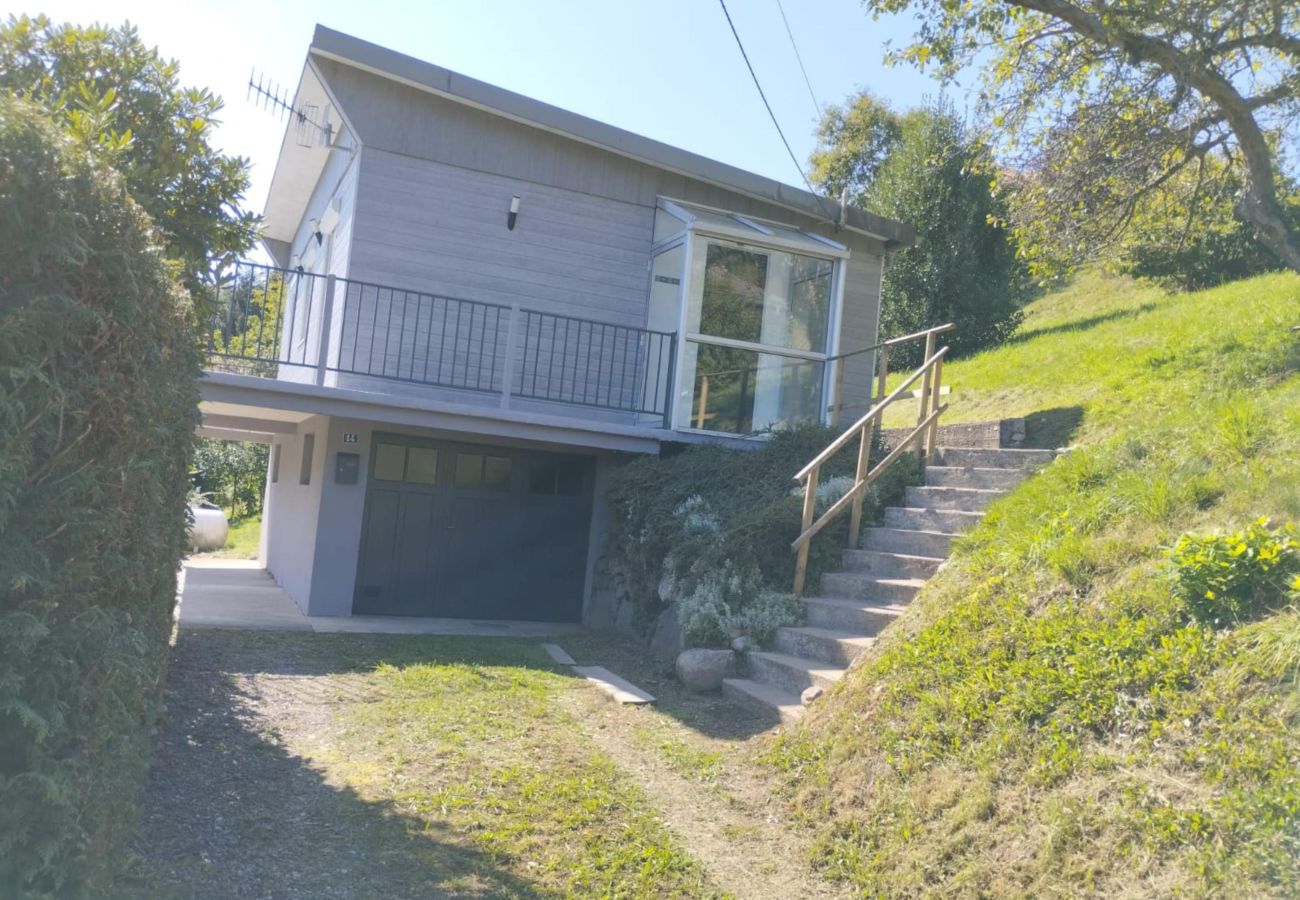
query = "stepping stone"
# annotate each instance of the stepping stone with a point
(617, 688)
(557, 653)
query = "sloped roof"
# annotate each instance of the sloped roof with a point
(349, 50)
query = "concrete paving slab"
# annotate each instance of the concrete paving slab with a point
(558, 653)
(617, 688)
(236, 596)
(421, 625)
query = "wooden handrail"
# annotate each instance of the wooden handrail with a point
(894, 342)
(876, 410)
(858, 487)
(926, 430)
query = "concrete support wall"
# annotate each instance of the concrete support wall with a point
(292, 511)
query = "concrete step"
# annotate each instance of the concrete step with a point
(978, 457)
(791, 673)
(839, 614)
(869, 589)
(973, 477)
(913, 542)
(890, 565)
(949, 521)
(764, 698)
(838, 648)
(949, 498)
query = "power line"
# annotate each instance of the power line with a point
(817, 106)
(794, 159)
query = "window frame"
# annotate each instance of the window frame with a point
(749, 231)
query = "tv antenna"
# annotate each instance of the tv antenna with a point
(305, 117)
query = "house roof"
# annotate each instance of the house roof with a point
(349, 50)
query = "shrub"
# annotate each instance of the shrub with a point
(98, 402)
(1237, 576)
(709, 529)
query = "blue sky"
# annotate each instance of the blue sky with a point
(667, 69)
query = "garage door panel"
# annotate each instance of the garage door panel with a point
(378, 543)
(498, 534)
(412, 596)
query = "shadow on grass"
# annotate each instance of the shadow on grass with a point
(228, 812)
(1051, 429)
(1021, 337)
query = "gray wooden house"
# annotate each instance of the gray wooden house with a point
(480, 303)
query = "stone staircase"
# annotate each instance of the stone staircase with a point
(877, 581)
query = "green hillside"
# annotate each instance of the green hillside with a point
(1064, 711)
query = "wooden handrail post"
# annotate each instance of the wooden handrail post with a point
(864, 466)
(837, 394)
(924, 400)
(882, 373)
(809, 507)
(882, 377)
(704, 401)
(933, 436)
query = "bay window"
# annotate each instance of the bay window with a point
(757, 304)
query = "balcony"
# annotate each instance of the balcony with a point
(305, 328)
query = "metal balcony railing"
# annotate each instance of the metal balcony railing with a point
(299, 326)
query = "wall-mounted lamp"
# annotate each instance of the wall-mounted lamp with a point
(514, 213)
(314, 225)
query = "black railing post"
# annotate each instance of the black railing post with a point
(670, 386)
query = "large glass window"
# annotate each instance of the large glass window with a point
(768, 311)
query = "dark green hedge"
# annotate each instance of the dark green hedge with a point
(98, 400)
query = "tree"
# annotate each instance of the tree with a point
(922, 167)
(119, 97)
(1111, 100)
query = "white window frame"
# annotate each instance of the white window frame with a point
(752, 232)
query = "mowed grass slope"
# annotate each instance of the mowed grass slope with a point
(1048, 718)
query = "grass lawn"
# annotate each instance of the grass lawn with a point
(307, 765)
(1050, 717)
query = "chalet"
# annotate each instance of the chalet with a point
(479, 304)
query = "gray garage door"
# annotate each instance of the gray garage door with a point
(473, 532)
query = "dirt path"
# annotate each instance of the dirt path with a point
(265, 787)
(727, 815)
(230, 812)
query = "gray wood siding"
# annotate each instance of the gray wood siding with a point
(858, 325)
(396, 117)
(430, 226)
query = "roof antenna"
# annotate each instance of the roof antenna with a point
(271, 97)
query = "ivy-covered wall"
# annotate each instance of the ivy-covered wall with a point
(98, 401)
(707, 532)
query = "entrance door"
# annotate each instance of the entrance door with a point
(476, 532)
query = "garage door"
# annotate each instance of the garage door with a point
(475, 532)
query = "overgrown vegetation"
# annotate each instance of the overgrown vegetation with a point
(708, 532)
(232, 474)
(98, 397)
(1064, 710)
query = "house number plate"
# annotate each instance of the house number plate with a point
(349, 437)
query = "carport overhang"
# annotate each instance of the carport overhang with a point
(248, 408)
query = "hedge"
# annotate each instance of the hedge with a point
(98, 403)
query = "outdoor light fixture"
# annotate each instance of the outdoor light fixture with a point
(314, 225)
(514, 214)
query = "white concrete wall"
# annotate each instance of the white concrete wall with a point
(292, 513)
